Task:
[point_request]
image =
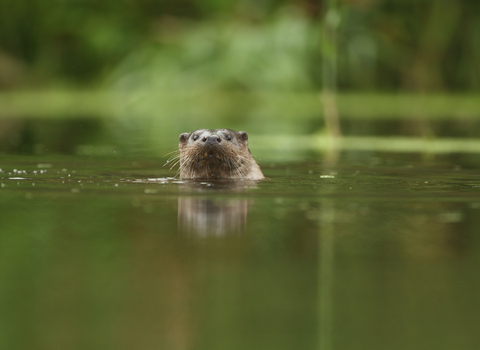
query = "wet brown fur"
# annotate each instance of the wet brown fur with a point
(210, 154)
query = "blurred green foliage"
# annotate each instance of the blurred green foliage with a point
(164, 67)
(385, 44)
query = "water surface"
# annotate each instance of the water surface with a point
(371, 251)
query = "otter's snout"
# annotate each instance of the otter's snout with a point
(211, 140)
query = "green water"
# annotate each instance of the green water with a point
(370, 251)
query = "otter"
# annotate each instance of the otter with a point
(217, 154)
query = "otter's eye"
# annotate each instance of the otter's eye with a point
(195, 137)
(228, 138)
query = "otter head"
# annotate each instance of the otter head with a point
(220, 153)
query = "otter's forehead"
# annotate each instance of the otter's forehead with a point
(202, 132)
(206, 132)
(232, 136)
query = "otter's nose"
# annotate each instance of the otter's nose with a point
(212, 140)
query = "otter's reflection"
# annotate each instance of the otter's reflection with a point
(215, 208)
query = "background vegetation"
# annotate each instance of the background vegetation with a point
(256, 65)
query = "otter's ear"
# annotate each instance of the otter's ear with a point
(243, 135)
(183, 137)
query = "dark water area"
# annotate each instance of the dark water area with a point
(369, 251)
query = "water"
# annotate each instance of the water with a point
(372, 251)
